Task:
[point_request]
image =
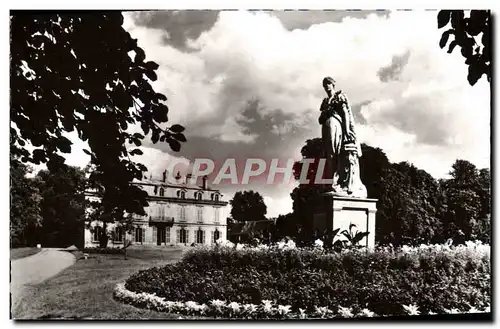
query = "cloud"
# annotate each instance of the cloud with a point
(179, 25)
(393, 71)
(251, 85)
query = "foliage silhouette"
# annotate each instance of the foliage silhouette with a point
(478, 56)
(83, 73)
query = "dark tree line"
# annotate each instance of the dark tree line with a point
(413, 207)
(48, 208)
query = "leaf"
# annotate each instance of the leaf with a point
(151, 75)
(359, 236)
(155, 136)
(177, 128)
(160, 113)
(64, 144)
(174, 145)
(474, 74)
(443, 18)
(347, 235)
(444, 38)
(180, 137)
(351, 226)
(140, 56)
(452, 46)
(136, 152)
(145, 128)
(152, 66)
(334, 232)
(87, 152)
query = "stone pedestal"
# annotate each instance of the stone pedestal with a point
(341, 212)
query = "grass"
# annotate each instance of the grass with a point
(85, 290)
(17, 253)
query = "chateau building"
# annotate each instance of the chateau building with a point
(179, 213)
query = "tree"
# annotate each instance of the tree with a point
(468, 198)
(24, 206)
(466, 32)
(248, 206)
(83, 73)
(307, 196)
(63, 206)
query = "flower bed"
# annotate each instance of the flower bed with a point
(287, 282)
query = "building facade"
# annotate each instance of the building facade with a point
(180, 213)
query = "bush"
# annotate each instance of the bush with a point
(433, 278)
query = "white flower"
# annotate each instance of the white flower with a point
(318, 243)
(191, 305)
(302, 313)
(249, 308)
(452, 311)
(239, 246)
(291, 244)
(281, 245)
(283, 310)
(321, 311)
(345, 312)
(217, 304)
(366, 312)
(411, 309)
(473, 310)
(234, 306)
(267, 306)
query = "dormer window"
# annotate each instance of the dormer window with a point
(216, 197)
(181, 194)
(212, 196)
(198, 195)
(162, 192)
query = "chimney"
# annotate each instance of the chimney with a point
(164, 176)
(204, 185)
(189, 179)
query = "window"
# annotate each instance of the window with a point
(162, 192)
(216, 197)
(181, 194)
(216, 235)
(96, 233)
(182, 213)
(198, 196)
(167, 234)
(156, 190)
(216, 214)
(139, 234)
(200, 236)
(182, 236)
(200, 214)
(212, 196)
(118, 234)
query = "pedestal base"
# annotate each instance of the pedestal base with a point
(340, 212)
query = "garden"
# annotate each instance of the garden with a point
(283, 281)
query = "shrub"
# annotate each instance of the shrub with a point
(431, 278)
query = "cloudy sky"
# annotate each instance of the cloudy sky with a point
(248, 85)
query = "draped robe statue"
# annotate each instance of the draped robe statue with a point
(341, 146)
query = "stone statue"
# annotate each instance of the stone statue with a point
(341, 146)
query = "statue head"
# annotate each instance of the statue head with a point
(329, 85)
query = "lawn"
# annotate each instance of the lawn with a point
(85, 290)
(17, 253)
